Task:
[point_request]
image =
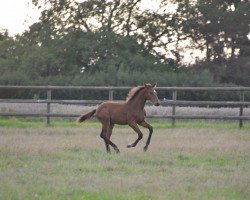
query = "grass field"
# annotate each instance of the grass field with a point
(69, 162)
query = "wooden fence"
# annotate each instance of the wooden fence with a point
(173, 102)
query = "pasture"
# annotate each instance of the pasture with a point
(71, 163)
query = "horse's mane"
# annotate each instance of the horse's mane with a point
(134, 92)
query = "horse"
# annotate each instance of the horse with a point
(131, 112)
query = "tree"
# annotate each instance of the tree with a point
(154, 31)
(220, 29)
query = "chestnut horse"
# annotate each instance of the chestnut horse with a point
(130, 113)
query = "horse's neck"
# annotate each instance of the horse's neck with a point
(139, 101)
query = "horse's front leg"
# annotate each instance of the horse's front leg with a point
(135, 127)
(150, 128)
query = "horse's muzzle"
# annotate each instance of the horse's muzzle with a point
(157, 104)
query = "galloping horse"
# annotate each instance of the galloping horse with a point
(130, 113)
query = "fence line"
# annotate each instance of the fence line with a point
(163, 103)
(110, 89)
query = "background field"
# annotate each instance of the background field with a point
(70, 163)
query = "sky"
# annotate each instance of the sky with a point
(17, 15)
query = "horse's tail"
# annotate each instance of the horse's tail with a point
(86, 116)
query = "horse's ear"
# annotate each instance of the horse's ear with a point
(145, 85)
(154, 85)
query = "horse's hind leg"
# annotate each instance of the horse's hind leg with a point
(108, 136)
(105, 135)
(107, 147)
(106, 143)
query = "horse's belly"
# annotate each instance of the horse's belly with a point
(118, 118)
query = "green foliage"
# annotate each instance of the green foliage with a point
(219, 29)
(115, 43)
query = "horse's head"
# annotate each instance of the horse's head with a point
(151, 94)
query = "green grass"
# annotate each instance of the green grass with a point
(34, 122)
(71, 163)
(22, 123)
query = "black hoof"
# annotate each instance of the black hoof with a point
(145, 148)
(117, 150)
(130, 145)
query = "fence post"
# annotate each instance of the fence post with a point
(48, 105)
(111, 95)
(242, 98)
(174, 97)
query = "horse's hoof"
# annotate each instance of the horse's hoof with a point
(145, 148)
(117, 150)
(130, 145)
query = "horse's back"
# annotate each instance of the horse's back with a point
(115, 112)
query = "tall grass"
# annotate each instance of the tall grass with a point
(71, 163)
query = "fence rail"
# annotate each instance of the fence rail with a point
(110, 89)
